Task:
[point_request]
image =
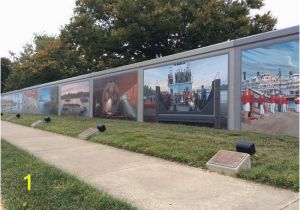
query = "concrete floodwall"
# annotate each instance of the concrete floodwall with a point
(267, 62)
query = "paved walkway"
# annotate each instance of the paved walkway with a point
(147, 182)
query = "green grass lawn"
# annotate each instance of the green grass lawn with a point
(275, 163)
(50, 187)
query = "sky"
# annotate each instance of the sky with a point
(20, 19)
(75, 87)
(270, 59)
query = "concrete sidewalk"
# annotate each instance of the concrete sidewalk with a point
(146, 182)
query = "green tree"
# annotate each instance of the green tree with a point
(5, 70)
(109, 33)
(36, 64)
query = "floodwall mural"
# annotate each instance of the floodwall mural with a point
(48, 100)
(20, 102)
(186, 87)
(270, 88)
(2, 104)
(116, 96)
(6, 103)
(75, 99)
(14, 102)
(31, 101)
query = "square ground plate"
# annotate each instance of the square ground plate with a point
(227, 158)
(37, 123)
(229, 162)
(87, 133)
(11, 117)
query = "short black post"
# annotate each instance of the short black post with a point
(47, 119)
(101, 128)
(246, 147)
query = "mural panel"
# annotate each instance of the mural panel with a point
(48, 100)
(31, 101)
(75, 99)
(270, 88)
(14, 102)
(116, 96)
(6, 103)
(2, 104)
(20, 102)
(186, 88)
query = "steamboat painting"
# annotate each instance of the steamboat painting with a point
(75, 99)
(186, 88)
(116, 96)
(48, 100)
(270, 88)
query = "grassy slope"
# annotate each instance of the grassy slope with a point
(51, 188)
(275, 163)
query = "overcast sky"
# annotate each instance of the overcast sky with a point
(20, 19)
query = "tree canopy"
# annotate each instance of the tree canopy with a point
(108, 33)
(5, 71)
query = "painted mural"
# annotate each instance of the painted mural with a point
(75, 99)
(20, 102)
(116, 96)
(6, 103)
(186, 87)
(48, 100)
(31, 101)
(270, 88)
(14, 102)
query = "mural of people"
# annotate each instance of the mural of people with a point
(272, 103)
(261, 102)
(185, 87)
(246, 99)
(270, 74)
(297, 104)
(110, 98)
(284, 103)
(116, 96)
